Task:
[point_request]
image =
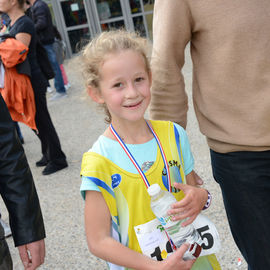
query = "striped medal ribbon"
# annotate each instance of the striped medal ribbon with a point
(120, 141)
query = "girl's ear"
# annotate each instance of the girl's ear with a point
(95, 94)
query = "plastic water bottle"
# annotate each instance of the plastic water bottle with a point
(161, 201)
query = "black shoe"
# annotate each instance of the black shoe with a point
(52, 168)
(43, 162)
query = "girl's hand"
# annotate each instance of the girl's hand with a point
(191, 205)
(176, 262)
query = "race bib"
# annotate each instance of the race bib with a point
(154, 242)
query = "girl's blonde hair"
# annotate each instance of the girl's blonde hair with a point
(114, 41)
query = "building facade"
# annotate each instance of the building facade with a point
(79, 21)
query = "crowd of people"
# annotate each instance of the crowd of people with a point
(229, 46)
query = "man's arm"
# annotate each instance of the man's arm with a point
(39, 16)
(18, 190)
(17, 186)
(171, 33)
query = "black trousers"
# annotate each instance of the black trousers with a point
(50, 144)
(244, 179)
(5, 258)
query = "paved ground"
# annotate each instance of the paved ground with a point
(79, 123)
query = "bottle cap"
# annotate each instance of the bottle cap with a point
(154, 189)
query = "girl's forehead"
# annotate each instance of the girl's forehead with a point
(121, 55)
(122, 62)
(122, 52)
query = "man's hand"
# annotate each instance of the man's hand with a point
(32, 254)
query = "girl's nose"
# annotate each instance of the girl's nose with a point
(131, 91)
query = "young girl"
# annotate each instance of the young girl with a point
(118, 77)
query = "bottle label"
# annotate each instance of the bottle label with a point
(154, 241)
(167, 221)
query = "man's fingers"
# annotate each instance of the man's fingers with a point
(42, 252)
(32, 254)
(36, 260)
(24, 256)
(37, 251)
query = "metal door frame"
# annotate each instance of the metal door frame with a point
(124, 16)
(61, 24)
(93, 21)
(127, 16)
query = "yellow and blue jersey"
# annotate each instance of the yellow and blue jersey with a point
(126, 195)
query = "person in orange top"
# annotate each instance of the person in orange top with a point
(17, 91)
(23, 29)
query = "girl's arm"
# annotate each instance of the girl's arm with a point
(194, 179)
(193, 202)
(102, 245)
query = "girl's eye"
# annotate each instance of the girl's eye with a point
(117, 85)
(139, 79)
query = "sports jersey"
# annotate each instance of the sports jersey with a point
(145, 155)
(126, 195)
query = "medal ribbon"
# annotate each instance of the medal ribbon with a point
(120, 141)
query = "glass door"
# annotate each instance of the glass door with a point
(110, 14)
(142, 16)
(76, 22)
(129, 14)
(80, 20)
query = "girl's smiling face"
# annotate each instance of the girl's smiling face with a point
(125, 86)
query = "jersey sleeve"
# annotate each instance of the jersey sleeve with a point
(186, 150)
(87, 184)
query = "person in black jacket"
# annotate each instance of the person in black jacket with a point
(44, 27)
(22, 28)
(18, 191)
